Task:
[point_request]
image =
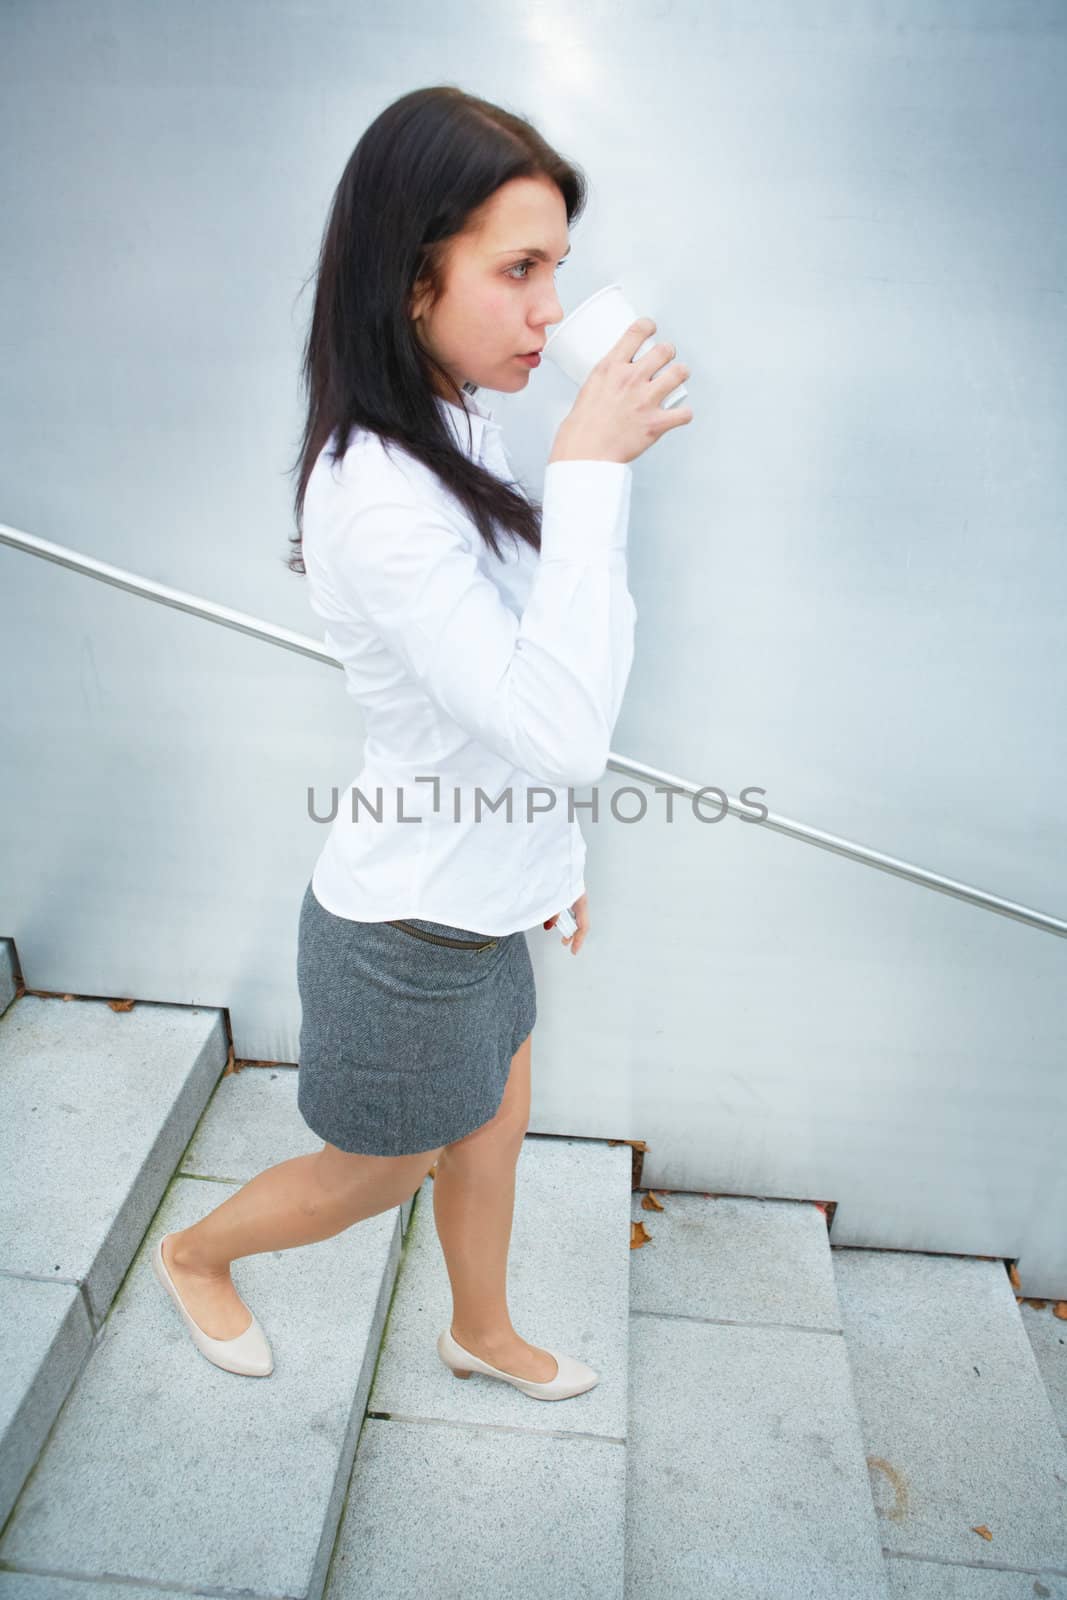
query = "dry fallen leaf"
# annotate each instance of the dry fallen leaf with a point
(650, 1203)
(639, 1235)
(122, 1005)
(1013, 1274)
(983, 1530)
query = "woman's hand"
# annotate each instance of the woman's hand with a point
(580, 910)
(618, 412)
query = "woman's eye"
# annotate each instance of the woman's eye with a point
(519, 264)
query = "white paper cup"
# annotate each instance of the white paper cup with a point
(577, 343)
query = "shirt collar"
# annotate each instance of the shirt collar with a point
(481, 421)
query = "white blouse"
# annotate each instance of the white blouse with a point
(490, 688)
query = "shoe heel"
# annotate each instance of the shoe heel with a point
(572, 1377)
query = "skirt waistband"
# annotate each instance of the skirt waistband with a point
(443, 933)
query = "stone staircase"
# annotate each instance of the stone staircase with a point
(805, 1421)
(775, 1419)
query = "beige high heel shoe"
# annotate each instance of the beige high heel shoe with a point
(572, 1377)
(248, 1353)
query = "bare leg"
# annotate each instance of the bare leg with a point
(296, 1202)
(473, 1202)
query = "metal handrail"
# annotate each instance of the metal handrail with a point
(148, 589)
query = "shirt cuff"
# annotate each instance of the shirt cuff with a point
(585, 510)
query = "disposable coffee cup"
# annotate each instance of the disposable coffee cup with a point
(588, 333)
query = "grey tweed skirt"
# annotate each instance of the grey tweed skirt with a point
(406, 1039)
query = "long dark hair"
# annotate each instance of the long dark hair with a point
(424, 164)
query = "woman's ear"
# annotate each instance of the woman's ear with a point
(417, 299)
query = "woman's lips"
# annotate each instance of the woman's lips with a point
(533, 360)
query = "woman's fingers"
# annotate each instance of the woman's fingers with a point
(580, 909)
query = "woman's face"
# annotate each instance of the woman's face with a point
(499, 300)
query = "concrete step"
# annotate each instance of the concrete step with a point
(472, 1487)
(98, 1106)
(164, 1470)
(957, 1425)
(1048, 1340)
(747, 1470)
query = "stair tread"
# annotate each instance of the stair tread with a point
(517, 1495)
(746, 1464)
(952, 1401)
(568, 1271)
(164, 1468)
(90, 1096)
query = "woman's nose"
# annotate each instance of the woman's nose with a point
(553, 312)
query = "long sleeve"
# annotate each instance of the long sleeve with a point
(542, 690)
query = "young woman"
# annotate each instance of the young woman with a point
(490, 674)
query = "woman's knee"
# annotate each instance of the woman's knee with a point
(501, 1136)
